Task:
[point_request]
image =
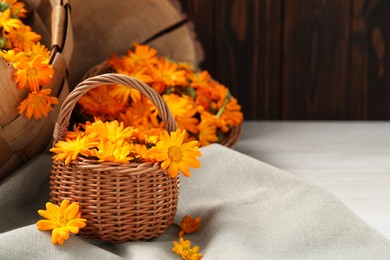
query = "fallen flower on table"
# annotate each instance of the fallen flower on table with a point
(189, 225)
(61, 220)
(183, 249)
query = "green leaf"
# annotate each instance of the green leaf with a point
(3, 41)
(190, 92)
(4, 6)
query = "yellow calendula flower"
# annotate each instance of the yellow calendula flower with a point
(175, 155)
(61, 220)
(37, 104)
(189, 225)
(183, 249)
(113, 152)
(113, 131)
(14, 57)
(69, 149)
(7, 22)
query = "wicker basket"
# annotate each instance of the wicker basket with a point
(121, 202)
(230, 139)
(22, 138)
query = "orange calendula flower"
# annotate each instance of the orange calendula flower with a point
(23, 37)
(140, 152)
(38, 50)
(200, 79)
(188, 121)
(33, 74)
(69, 149)
(149, 136)
(207, 130)
(184, 111)
(142, 55)
(175, 155)
(189, 225)
(99, 102)
(17, 8)
(232, 114)
(61, 220)
(7, 22)
(166, 74)
(178, 105)
(141, 113)
(138, 73)
(183, 249)
(124, 93)
(37, 104)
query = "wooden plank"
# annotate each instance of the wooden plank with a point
(315, 59)
(201, 14)
(370, 57)
(248, 38)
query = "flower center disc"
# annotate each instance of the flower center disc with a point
(31, 72)
(174, 153)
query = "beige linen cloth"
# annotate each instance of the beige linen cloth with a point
(250, 210)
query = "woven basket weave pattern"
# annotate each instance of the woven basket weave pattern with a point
(118, 206)
(121, 202)
(22, 138)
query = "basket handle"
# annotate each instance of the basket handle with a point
(60, 16)
(62, 124)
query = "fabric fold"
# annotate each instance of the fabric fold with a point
(249, 210)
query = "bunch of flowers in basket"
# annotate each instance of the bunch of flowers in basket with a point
(20, 46)
(113, 142)
(200, 105)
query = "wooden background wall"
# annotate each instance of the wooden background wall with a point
(299, 59)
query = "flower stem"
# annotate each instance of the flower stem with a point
(225, 102)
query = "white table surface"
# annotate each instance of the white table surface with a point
(349, 159)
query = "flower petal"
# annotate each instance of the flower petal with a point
(46, 214)
(78, 222)
(46, 224)
(52, 209)
(173, 170)
(72, 211)
(54, 236)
